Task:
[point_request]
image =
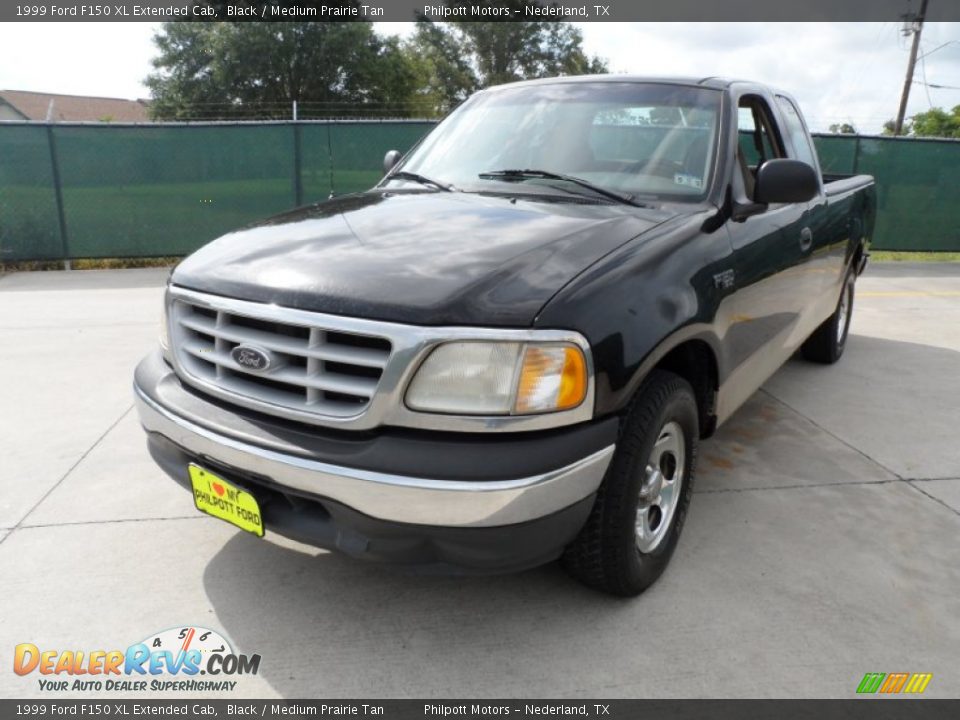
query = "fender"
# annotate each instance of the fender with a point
(661, 290)
(703, 348)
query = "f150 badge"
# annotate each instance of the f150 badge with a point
(724, 280)
(252, 358)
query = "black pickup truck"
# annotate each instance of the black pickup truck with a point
(507, 351)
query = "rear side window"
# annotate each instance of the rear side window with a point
(797, 132)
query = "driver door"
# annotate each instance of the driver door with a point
(771, 263)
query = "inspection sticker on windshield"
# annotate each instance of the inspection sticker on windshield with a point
(215, 496)
(687, 180)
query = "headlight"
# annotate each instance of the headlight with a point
(501, 378)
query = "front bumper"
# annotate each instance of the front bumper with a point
(464, 517)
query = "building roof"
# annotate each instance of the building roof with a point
(66, 108)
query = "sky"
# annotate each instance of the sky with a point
(839, 72)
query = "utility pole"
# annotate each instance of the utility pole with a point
(914, 25)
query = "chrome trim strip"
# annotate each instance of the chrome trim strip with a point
(422, 501)
(410, 346)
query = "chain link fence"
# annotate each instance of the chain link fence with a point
(123, 191)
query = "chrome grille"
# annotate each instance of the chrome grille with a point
(313, 369)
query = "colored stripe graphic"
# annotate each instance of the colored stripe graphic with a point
(918, 682)
(870, 683)
(914, 683)
(894, 682)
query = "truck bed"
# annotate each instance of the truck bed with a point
(836, 183)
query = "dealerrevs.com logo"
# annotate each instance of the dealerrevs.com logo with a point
(171, 660)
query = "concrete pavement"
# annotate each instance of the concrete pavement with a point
(822, 542)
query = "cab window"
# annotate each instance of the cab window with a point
(757, 137)
(799, 137)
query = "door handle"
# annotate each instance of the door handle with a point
(806, 239)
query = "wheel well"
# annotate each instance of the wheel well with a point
(695, 362)
(858, 253)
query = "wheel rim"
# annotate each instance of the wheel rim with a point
(843, 313)
(660, 487)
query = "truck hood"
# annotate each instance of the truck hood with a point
(426, 258)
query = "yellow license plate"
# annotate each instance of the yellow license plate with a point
(215, 496)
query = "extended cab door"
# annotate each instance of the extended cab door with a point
(772, 248)
(829, 225)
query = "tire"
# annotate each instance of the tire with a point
(827, 342)
(622, 549)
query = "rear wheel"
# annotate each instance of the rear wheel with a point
(828, 341)
(641, 505)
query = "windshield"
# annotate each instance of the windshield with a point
(640, 140)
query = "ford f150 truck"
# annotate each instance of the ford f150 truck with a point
(508, 350)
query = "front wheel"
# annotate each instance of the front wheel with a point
(828, 341)
(636, 520)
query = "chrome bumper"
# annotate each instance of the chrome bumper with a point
(394, 498)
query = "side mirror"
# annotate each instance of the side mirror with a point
(785, 181)
(390, 160)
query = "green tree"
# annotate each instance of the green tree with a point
(258, 69)
(936, 122)
(460, 57)
(445, 74)
(843, 129)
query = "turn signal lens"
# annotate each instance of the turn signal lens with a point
(553, 377)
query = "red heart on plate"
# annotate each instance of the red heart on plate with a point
(219, 489)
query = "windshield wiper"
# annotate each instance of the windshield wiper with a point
(516, 175)
(422, 179)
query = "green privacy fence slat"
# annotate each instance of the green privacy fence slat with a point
(838, 154)
(166, 189)
(29, 227)
(357, 151)
(157, 190)
(918, 187)
(315, 166)
(341, 158)
(918, 193)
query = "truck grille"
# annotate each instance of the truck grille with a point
(312, 369)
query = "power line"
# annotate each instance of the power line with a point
(926, 86)
(939, 47)
(935, 86)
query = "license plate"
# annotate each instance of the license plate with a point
(215, 496)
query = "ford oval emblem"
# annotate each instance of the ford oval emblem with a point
(251, 358)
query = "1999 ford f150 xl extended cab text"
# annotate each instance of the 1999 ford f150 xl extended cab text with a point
(507, 351)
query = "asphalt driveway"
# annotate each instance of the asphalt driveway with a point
(823, 541)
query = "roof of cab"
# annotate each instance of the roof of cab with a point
(716, 83)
